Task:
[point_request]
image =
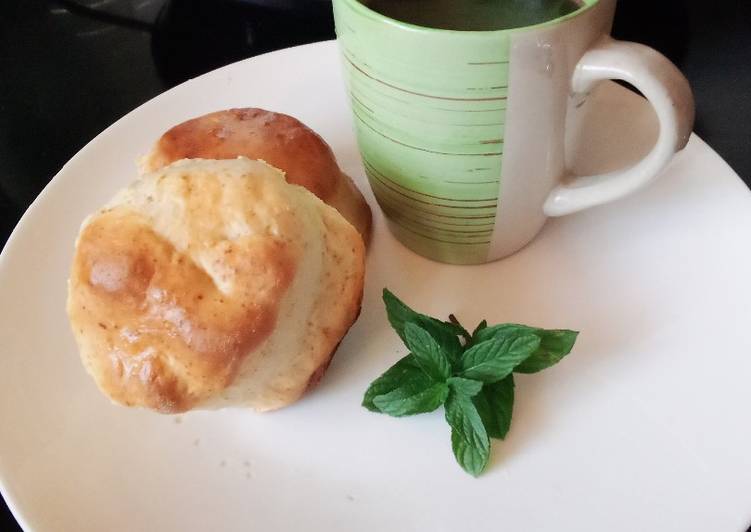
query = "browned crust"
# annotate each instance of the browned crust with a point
(318, 374)
(278, 139)
(183, 285)
(153, 327)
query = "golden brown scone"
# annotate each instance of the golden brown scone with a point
(210, 284)
(278, 139)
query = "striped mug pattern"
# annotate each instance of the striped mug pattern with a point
(462, 132)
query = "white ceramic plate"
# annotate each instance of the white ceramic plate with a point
(644, 427)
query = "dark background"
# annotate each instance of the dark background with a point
(68, 70)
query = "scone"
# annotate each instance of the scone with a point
(213, 283)
(278, 139)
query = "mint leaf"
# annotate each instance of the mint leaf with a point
(554, 344)
(495, 359)
(463, 386)
(427, 352)
(466, 387)
(406, 370)
(446, 334)
(495, 404)
(412, 398)
(469, 440)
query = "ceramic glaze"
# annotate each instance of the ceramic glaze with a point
(462, 133)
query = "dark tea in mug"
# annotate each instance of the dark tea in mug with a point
(477, 15)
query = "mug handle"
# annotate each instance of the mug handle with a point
(669, 93)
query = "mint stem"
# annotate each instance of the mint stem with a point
(465, 333)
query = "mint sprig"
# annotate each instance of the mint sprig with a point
(471, 375)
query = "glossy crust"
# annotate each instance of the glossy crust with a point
(280, 140)
(210, 284)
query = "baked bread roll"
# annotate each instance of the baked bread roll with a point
(211, 284)
(278, 139)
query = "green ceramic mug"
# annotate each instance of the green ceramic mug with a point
(462, 132)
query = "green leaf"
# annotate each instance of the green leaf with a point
(466, 387)
(489, 333)
(427, 352)
(495, 359)
(554, 344)
(471, 374)
(469, 440)
(446, 334)
(405, 390)
(411, 399)
(495, 404)
(406, 370)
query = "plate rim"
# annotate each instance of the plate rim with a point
(18, 233)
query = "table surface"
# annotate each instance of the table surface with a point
(67, 72)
